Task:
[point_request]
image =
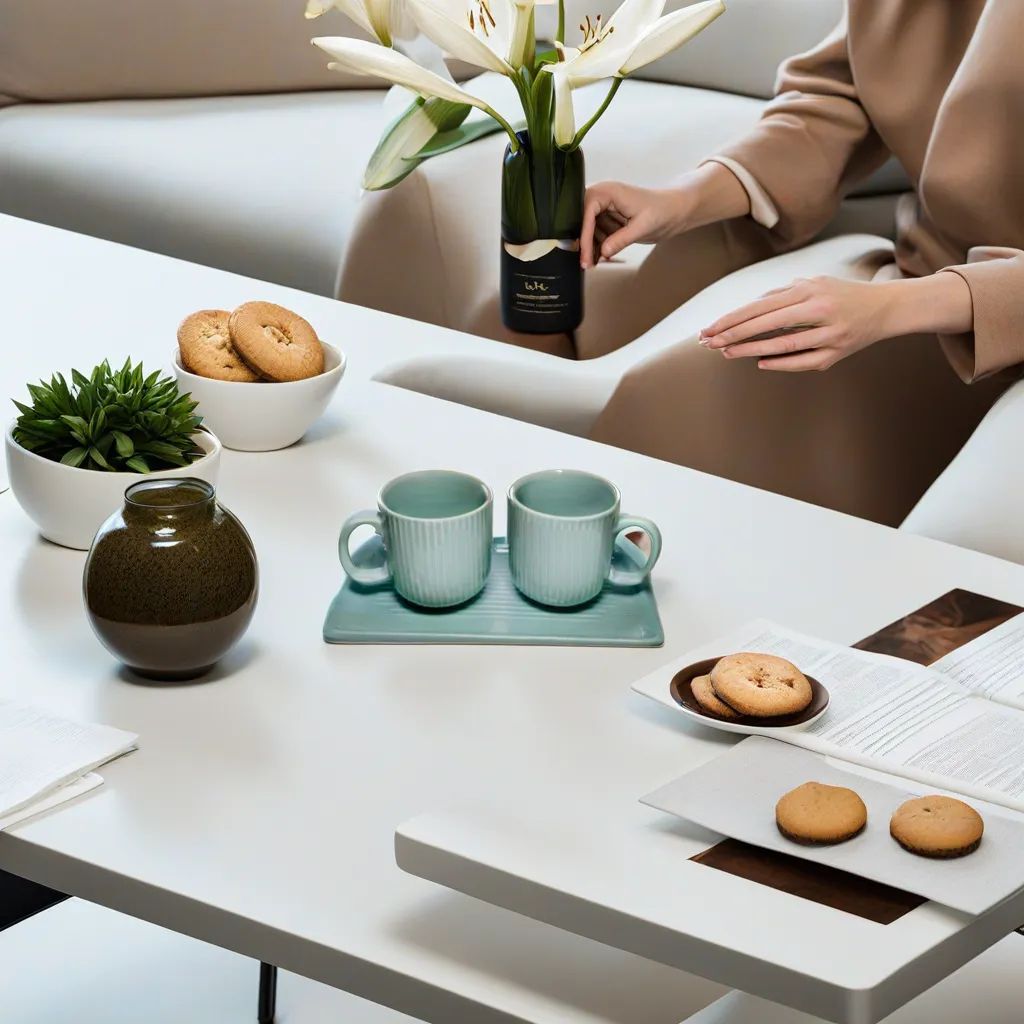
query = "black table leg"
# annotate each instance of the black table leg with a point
(21, 899)
(268, 994)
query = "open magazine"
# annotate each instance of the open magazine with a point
(956, 725)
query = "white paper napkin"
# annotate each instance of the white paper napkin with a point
(735, 795)
(40, 753)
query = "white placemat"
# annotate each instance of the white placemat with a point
(735, 795)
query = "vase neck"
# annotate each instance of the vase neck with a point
(169, 500)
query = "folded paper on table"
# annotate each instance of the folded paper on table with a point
(62, 795)
(735, 795)
(957, 725)
(41, 754)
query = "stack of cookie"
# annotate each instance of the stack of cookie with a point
(752, 685)
(259, 342)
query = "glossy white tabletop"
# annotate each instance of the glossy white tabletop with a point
(260, 811)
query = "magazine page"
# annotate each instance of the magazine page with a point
(991, 665)
(890, 715)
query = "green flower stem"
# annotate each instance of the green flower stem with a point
(609, 96)
(523, 89)
(513, 142)
(542, 152)
(560, 33)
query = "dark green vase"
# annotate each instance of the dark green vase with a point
(171, 580)
(541, 202)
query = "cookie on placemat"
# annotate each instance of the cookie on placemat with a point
(204, 340)
(705, 696)
(762, 685)
(818, 815)
(275, 342)
(937, 826)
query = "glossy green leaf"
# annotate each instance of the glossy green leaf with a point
(74, 456)
(445, 142)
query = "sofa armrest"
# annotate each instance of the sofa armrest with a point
(536, 388)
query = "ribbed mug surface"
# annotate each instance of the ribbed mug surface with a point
(437, 527)
(560, 539)
(439, 562)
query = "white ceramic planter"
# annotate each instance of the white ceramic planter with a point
(262, 417)
(69, 505)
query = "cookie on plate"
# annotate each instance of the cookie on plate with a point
(204, 340)
(705, 696)
(818, 815)
(937, 826)
(762, 685)
(277, 343)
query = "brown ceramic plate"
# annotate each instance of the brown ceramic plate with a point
(682, 694)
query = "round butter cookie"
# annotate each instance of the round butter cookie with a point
(818, 815)
(761, 685)
(937, 826)
(204, 341)
(277, 343)
(705, 696)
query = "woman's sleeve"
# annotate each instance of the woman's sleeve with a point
(995, 277)
(813, 143)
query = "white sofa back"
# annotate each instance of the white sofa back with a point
(740, 52)
(102, 49)
(122, 49)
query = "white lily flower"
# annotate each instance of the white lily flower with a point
(521, 40)
(382, 19)
(635, 35)
(564, 127)
(366, 58)
(490, 34)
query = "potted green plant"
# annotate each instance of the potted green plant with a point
(542, 171)
(74, 450)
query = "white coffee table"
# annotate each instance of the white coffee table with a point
(259, 813)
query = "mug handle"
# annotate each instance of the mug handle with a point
(633, 577)
(357, 573)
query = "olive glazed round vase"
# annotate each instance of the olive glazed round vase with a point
(171, 580)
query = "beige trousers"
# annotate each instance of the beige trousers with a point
(866, 437)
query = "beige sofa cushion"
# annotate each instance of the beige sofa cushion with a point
(116, 49)
(740, 52)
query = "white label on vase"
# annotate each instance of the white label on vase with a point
(541, 247)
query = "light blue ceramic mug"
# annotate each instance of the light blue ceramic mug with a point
(562, 527)
(437, 530)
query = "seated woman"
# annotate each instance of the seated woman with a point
(940, 85)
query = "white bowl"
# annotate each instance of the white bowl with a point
(69, 505)
(266, 416)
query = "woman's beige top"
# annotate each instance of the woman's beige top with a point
(940, 85)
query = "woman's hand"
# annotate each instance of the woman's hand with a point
(813, 323)
(616, 214)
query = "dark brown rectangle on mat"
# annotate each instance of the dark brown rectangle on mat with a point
(923, 637)
(941, 627)
(810, 881)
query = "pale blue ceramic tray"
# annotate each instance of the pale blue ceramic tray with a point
(617, 617)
